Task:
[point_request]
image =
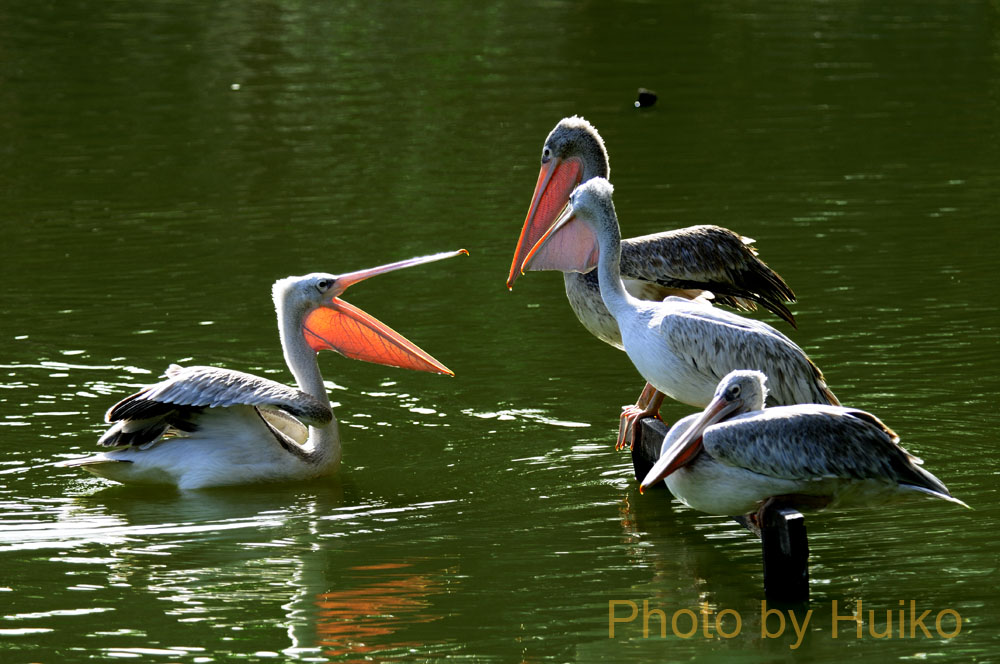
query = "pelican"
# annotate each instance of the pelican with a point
(738, 457)
(686, 262)
(206, 426)
(697, 261)
(681, 347)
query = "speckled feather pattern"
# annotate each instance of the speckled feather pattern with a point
(843, 456)
(684, 348)
(812, 441)
(710, 258)
(711, 342)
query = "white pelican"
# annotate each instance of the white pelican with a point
(686, 262)
(737, 456)
(681, 347)
(205, 426)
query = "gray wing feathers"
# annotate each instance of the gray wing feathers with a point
(734, 342)
(709, 258)
(211, 387)
(807, 442)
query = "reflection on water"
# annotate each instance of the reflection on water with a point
(195, 554)
(364, 619)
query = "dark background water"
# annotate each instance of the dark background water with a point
(164, 162)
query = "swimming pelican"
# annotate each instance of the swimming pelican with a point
(738, 457)
(206, 426)
(688, 262)
(681, 347)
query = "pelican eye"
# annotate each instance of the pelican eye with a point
(323, 285)
(734, 392)
(546, 155)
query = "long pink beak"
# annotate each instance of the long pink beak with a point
(557, 179)
(342, 327)
(684, 450)
(569, 246)
(344, 281)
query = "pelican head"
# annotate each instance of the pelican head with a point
(744, 388)
(739, 392)
(311, 304)
(574, 138)
(303, 294)
(592, 203)
(573, 153)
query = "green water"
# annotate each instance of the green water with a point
(164, 162)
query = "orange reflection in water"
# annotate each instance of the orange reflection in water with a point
(383, 600)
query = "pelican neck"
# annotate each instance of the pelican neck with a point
(616, 298)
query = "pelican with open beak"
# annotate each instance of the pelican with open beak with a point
(205, 426)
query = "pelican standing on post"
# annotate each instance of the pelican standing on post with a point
(687, 262)
(206, 426)
(681, 347)
(738, 457)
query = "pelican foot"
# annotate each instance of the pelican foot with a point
(647, 405)
(629, 422)
(623, 430)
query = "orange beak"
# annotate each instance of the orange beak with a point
(340, 326)
(684, 450)
(556, 180)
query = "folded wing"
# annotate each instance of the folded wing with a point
(176, 401)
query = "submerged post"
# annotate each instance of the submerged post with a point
(785, 549)
(784, 545)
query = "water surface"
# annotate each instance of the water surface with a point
(164, 164)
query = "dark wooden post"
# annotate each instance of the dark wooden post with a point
(648, 440)
(785, 549)
(784, 546)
